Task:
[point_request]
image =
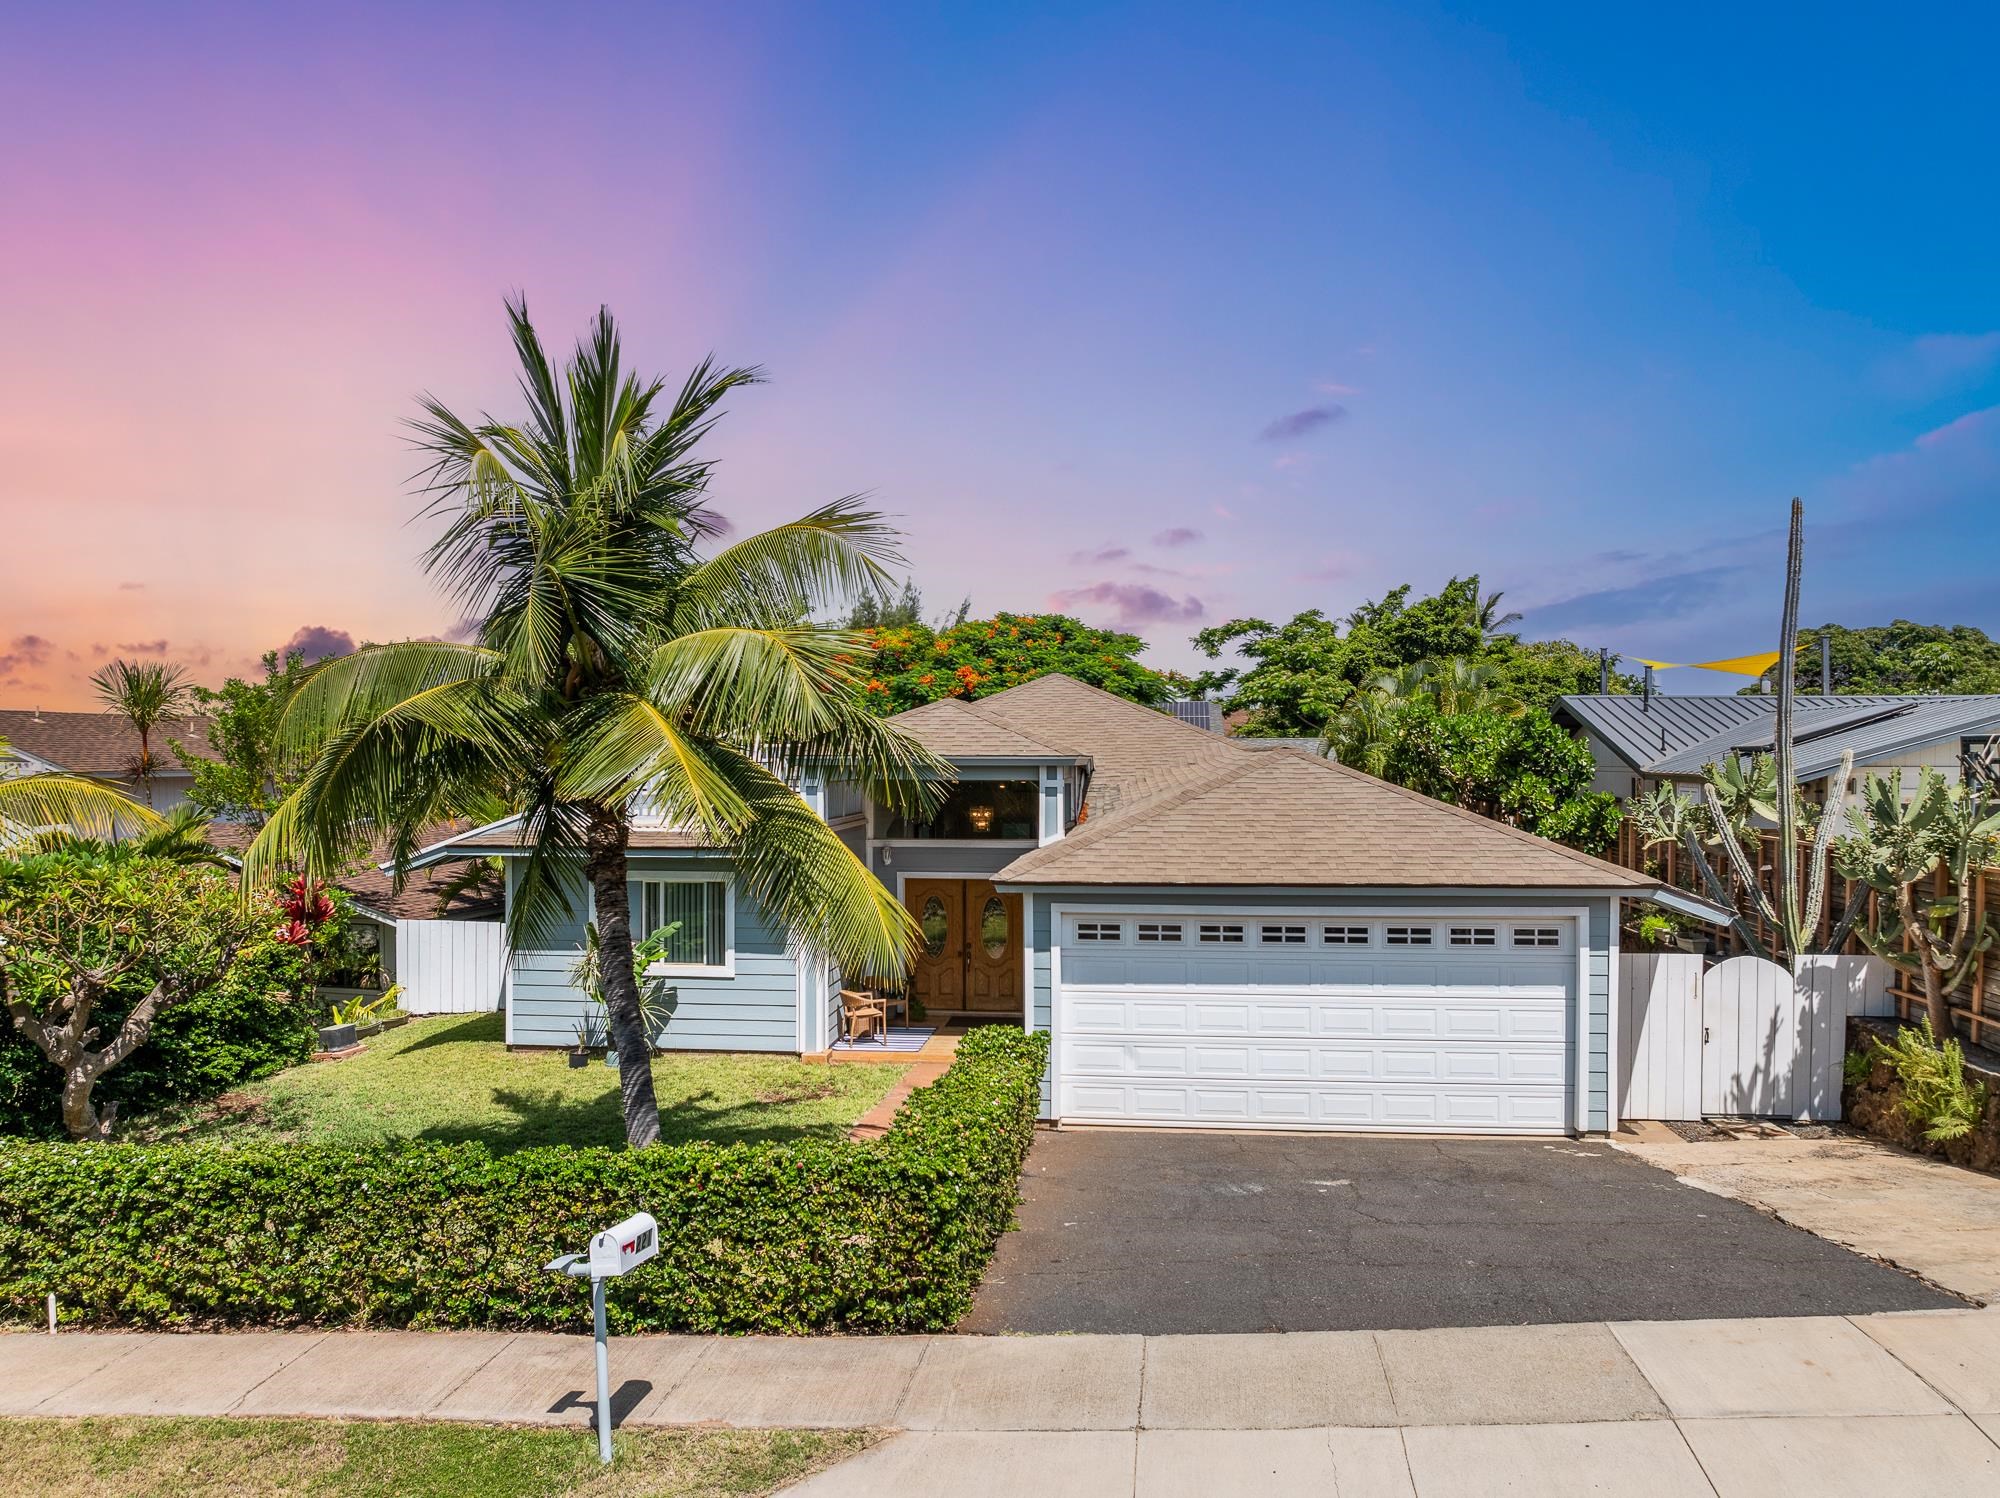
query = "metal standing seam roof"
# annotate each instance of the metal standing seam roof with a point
(1682, 735)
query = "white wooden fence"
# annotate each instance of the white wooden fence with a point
(450, 967)
(1746, 1037)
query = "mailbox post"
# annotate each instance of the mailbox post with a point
(616, 1251)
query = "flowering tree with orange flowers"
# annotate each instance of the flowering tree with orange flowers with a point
(913, 663)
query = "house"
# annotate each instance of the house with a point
(1215, 932)
(439, 935)
(1645, 741)
(102, 746)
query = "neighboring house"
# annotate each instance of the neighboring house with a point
(1640, 742)
(1216, 933)
(439, 936)
(103, 746)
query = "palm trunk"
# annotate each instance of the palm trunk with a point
(605, 866)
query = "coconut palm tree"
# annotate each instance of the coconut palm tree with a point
(1491, 619)
(618, 664)
(145, 694)
(33, 805)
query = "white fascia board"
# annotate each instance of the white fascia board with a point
(453, 846)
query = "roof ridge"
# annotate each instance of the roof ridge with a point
(999, 722)
(1123, 702)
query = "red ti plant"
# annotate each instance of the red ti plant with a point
(305, 907)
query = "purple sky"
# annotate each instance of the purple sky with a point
(1158, 315)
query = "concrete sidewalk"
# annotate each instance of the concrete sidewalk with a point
(1868, 1405)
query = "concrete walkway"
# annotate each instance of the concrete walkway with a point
(1939, 1221)
(1869, 1405)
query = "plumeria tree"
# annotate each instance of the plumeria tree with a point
(620, 662)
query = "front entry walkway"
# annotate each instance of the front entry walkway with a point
(1162, 1231)
(1826, 1405)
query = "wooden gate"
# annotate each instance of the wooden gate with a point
(1745, 1039)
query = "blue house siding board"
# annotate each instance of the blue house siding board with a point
(1597, 938)
(919, 860)
(755, 1010)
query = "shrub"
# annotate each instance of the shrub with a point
(1936, 1094)
(884, 1235)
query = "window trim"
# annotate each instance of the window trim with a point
(727, 969)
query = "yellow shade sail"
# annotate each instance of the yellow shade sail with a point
(1656, 665)
(1743, 665)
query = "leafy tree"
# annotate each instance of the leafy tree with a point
(91, 938)
(1302, 672)
(1894, 848)
(907, 665)
(614, 666)
(33, 805)
(1924, 659)
(239, 780)
(1518, 768)
(871, 612)
(145, 694)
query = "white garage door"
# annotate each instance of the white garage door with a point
(1365, 1022)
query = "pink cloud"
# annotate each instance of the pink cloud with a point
(1100, 556)
(1179, 535)
(1334, 567)
(1970, 425)
(1131, 605)
(143, 647)
(317, 643)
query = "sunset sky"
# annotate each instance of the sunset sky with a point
(1158, 314)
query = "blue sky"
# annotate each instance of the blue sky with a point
(1159, 314)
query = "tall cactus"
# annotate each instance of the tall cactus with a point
(1792, 919)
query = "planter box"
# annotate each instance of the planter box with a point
(338, 1037)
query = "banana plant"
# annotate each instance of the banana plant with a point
(1897, 845)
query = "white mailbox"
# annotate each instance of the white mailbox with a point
(615, 1251)
(624, 1246)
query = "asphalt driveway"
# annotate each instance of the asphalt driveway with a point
(1158, 1231)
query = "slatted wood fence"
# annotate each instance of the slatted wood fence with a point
(1975, 1003)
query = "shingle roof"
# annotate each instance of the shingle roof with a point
(1682, 735)
(96, 743)
(1282, 817)
(416, 901)
(1135, 752)
(960, 730)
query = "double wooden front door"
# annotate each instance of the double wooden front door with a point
(970, 960)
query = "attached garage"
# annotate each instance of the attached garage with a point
(1234, 1016)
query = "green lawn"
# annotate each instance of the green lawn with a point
(452, 1078)
(158, 1458)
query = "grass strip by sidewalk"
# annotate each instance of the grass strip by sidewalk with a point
(135, 1457)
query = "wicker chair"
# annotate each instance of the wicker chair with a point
(862, 1011)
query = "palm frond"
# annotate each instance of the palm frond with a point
(797, 868)
(782, 575)
(31, 805)
(370, 682)
(621, 748)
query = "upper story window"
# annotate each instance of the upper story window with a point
(696, 910)
(979, 810)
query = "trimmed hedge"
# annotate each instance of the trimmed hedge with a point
(876, 1236)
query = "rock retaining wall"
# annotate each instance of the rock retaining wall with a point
(1876, 1106)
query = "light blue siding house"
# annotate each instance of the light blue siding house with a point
(1215, 933)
